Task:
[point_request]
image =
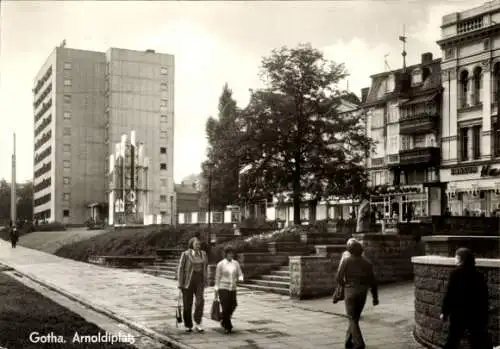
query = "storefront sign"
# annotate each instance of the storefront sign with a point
(464, 170)
(487, 171)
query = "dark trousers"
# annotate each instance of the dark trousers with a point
(13, 242)
(196, 288)
(354, 304)
(478, 334)
(228, 304)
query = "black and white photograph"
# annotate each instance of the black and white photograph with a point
(229, 174)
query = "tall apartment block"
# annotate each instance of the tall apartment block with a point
(83, 102)
(470, 42)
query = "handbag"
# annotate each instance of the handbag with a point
(178, 313)
(338, 294)
(215, 313)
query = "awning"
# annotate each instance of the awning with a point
(421, 99)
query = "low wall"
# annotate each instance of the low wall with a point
(446, 245)
(391, 255)
(127, 262)
(431, 276)
(312, 276)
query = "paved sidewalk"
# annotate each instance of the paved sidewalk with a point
(262, 321)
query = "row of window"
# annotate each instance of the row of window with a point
(42, 185)
(42, 81)
(43, 200)
(409, 177)
(45, 214)
(45, 138)
(471, 95)
(42, 97)
(43, 155)
(43, 124)
(44, 169)
(42, 111)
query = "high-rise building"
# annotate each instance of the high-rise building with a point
(83, 102)
(403, 109)
(471, 126)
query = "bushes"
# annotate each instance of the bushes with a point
(52, 226)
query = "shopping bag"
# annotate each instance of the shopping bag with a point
(178, 312)
(215, 314)
(338, 294)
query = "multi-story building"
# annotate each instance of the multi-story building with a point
(470, 42)
(403, 109)
(83, 102)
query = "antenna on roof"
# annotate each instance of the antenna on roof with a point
(403, 39)
(386, 63)
(63, 43)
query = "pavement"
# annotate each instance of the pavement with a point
(262, 321)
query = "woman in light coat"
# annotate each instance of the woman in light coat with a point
(192, 278)
(227, 274)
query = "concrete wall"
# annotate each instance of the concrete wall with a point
(446, 246)
(431, 278)
(312, 276)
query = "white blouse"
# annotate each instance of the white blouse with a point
(227, 274)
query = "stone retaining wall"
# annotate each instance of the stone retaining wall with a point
(431, 278)
(312, 276)
(446, 246)
(391, 255)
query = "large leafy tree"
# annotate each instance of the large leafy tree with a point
(296, 140)
(223, 139)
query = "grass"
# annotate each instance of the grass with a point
(132, 242)
(23, 311)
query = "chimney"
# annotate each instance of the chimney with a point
(426, 58)
(364, 94)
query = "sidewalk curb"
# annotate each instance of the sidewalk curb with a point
(171, 343)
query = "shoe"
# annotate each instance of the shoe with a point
(189, 329)
(227, 331)
(349, 345)
(199, 329)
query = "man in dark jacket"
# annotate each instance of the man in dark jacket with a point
(14, 236)
(465, 304)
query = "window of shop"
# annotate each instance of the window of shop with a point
(474, 203)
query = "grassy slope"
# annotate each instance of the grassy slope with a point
(132, 242)
(23, 310)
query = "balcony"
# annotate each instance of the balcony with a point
(420, 123)
(419, 156)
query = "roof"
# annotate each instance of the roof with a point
(432, 84)
(185, 189)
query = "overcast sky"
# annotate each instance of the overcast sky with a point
(213, 43)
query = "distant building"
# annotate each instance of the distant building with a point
(83, 102)
(403, 109)
(471, 123)
(188, 197)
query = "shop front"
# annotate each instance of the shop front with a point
(405, 203)
(473, 190)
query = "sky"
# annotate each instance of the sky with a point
(213, 43)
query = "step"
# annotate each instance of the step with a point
(280, 273)
(281, 278)
(269, 283)
(168, 264)
(282, 291)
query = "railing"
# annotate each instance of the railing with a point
(217, 217)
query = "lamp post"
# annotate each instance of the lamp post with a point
(172, 211)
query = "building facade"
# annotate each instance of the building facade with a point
(470, 42)
(83, 102)
(403, 109)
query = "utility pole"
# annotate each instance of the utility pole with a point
(13, 198)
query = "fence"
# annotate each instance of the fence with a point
(217, 217)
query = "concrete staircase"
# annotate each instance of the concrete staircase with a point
(166, 264)
(276, 281)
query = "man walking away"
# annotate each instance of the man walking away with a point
(356, 275)
(14, 236)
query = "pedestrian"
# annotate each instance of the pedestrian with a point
(363, 223)
(192, 279)
(465, 303)
(227, 274)
(14, 236)
(355, 274)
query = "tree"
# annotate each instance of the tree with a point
(223, 137)
(295, 139)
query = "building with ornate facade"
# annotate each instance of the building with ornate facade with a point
(403, 109)
(470, 42)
